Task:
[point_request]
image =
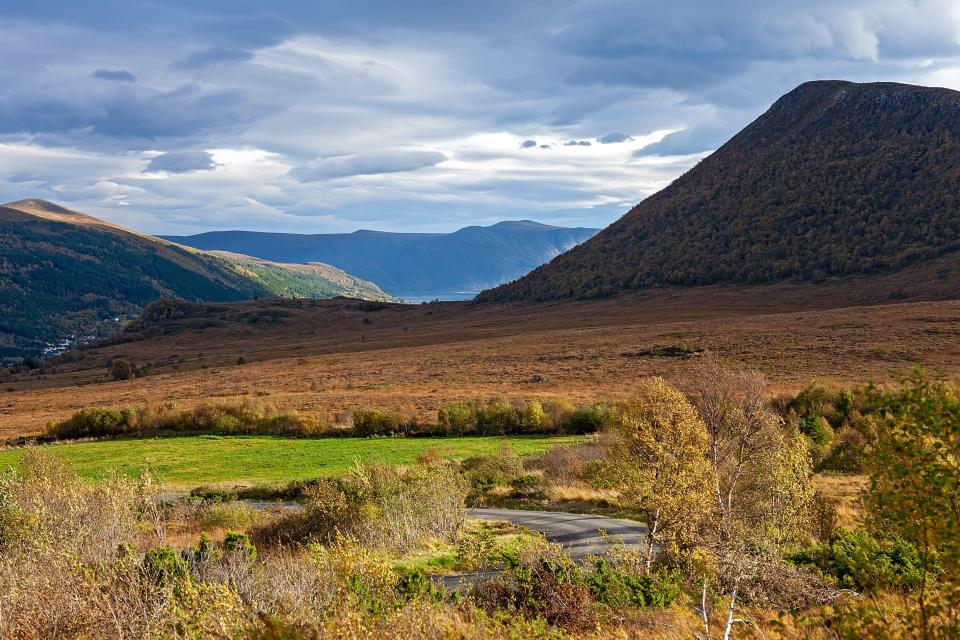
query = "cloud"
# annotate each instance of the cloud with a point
(208, 57)
(267, 88)
(365, 164)
(528, 144)
(181, 162)
(114, 76)
(614, 137)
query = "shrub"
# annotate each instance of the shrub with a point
(375, 422)
(541, 580)
(618, 588)
(240, 545)
(476, 550)
(121, 370)
(589, 419)
(817, 429)
(498, 418)
(857, 560)
(227, 515)
(486, 471)
(94, 423)
(164, 566)
(845, 452)
(379, 505)
(457, 418)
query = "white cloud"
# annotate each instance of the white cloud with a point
(365, 164)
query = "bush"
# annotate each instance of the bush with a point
(859, 561)
(487, 471)
(817, 429)
(239, 544)
(457, 418)
(227, 515)
(541, 580)
(379, 505)
(163, 566)
(589, 419)
(374, 422)
(121, 370)
(95, 423)
(618, 588)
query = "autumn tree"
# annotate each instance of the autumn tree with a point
(760, 472)
(658, 462)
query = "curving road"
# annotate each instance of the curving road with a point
(581, 535)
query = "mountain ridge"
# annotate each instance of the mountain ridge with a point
(65, 275)
(468, 259)
(834, 179)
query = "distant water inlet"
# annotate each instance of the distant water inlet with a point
(416, 297)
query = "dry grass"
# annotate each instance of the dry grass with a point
(848, 491)
(320, 356)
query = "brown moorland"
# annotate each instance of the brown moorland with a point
(334, 356)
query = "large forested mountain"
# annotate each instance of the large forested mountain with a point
(65, 275)
(470, 259)
(835, 179)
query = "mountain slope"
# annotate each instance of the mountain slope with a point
(835, 179)
(64, 274)
(467, 260)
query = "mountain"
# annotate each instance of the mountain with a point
(66, 275)
(835, 179)
(470, 259)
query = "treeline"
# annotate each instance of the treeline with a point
(491, 418)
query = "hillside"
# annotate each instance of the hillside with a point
(470, 259)
(65, 276)
(836, 179)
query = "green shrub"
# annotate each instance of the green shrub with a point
(487, 471)
(95, 423)
(817, 429)
(375, 422)
(457, 418)
(498, 418)
(618, 588)
(857, 560)
(164, 566)
(589, 419)
(240, 545)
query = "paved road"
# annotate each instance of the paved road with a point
(579, 534)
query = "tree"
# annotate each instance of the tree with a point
(658, 462)
(761, 478)
(914, 465)
(121, 370)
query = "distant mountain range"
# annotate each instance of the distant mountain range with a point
(836, 179)
(470, 259)
(65, 276)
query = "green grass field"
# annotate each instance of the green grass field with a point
(187, 462)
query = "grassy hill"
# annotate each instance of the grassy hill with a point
(835, 179)
(65, 275)
(469, 259)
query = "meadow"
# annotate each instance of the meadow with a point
(187, 462)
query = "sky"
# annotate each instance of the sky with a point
(319, 116)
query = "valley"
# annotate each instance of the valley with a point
(332, 357)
